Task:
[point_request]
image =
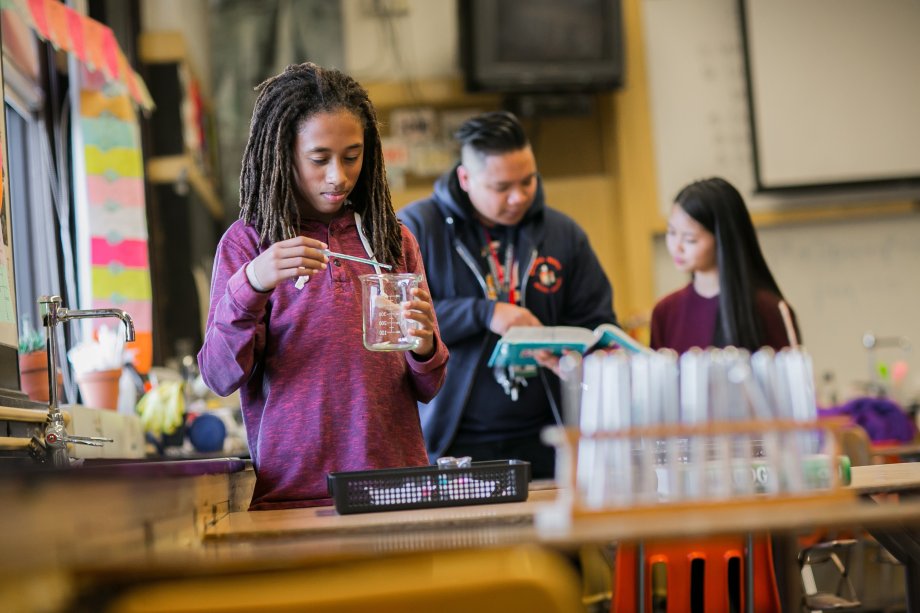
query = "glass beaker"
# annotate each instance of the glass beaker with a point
(385, 327)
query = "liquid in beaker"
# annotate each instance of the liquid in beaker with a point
(385, 328)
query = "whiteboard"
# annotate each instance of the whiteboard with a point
(835, 90)
(701, 120)
(843, 279)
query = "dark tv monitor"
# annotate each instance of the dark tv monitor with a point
(541, 46)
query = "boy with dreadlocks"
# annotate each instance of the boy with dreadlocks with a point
(314, 400)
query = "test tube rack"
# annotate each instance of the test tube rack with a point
(714, 481)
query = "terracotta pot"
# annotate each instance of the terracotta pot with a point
(99, 388)
(33, 375)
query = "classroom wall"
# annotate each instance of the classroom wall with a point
(425, 37)
(701, 117)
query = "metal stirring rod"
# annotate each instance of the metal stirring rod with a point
(302, 280)
(353, 258)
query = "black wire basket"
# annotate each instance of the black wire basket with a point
(427, 487)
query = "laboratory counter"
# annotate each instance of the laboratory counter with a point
(116, 524)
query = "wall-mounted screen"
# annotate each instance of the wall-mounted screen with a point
(541, 46)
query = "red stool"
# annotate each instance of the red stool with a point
(703, 576)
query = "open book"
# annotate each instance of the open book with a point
(517, 346)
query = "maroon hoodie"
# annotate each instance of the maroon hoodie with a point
(314, 400)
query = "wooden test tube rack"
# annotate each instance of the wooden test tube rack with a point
(570, 505)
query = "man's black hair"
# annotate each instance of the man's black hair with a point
(492, 133)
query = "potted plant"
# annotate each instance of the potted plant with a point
(33, 364)
(97, 363)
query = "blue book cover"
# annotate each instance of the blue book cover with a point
(517, 346)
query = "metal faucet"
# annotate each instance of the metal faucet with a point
(56, 437)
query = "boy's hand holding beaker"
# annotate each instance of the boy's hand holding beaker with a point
(397, 314)
(421, 310)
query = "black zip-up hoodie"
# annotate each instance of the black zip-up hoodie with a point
(562, 284)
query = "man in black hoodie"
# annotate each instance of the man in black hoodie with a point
(497, 256)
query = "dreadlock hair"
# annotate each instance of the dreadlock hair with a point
(716, 205)
(267, 184)
(492, 133)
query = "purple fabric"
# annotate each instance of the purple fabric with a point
(684, 319)
(881, 418)
(314, 400)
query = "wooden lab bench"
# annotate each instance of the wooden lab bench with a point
(100, 536)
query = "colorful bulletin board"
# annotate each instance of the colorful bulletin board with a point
(9, 334)
(113, 184)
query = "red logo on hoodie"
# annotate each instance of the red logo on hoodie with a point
(547, 275)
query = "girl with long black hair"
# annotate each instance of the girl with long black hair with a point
(732, 298)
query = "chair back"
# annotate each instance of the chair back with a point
(682, 576)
